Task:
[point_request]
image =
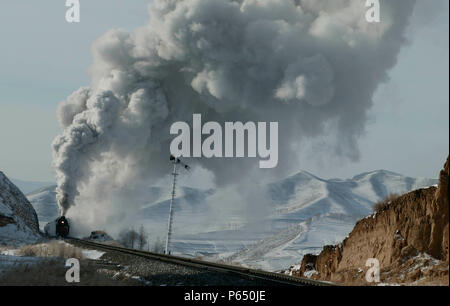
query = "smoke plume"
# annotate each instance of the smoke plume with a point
(311, 65)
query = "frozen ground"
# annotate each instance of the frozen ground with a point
(10, 258)
(306, 212)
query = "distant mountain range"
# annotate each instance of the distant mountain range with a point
(44, 202)
(305, 212)
(29, 186)
(408, 235)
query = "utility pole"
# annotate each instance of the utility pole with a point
(175, 162)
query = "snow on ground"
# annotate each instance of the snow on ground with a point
(8, 252)
(10, 259)
(308, 212)
(310, 273)
(13, 252)
(92, 254)
(11, 235)
(270, 253)
(87, 253)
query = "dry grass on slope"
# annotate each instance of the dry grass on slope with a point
(52, 249)
(384, 204)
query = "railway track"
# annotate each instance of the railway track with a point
(247, 273)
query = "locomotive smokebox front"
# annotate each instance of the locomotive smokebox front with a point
(58, 228)
(62, 227)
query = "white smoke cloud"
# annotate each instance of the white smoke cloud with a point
(311, 65)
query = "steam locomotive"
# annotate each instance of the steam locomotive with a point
(58, 228)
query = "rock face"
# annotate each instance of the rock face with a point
(409, 237)
(18, 219)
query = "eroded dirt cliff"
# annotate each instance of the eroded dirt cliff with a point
(409, 237)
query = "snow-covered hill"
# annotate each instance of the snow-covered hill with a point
(18, 219)
(311, 212)
(29, 186)
(44, 202)
(305, 213)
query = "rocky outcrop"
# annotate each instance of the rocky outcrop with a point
(18, 219)
(409, 237)
(439, 239)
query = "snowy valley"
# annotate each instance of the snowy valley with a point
(305, 213)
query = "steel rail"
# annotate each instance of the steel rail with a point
(271, 277)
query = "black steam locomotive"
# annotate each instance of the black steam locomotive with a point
(62, 227)
(58, 228)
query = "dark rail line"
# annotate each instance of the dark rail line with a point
(270, 277)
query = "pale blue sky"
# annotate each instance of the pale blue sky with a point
(43, 59)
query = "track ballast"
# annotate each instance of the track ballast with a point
(270, 278)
